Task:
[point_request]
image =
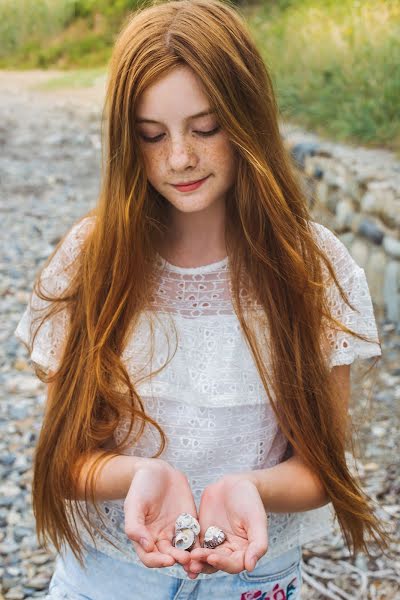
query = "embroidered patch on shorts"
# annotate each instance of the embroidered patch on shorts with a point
(277, 593)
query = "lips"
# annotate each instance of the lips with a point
(190, 182)
(190, 187)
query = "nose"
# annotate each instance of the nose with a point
(181, 155)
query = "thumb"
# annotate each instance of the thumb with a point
(258, 545)
(140, 534)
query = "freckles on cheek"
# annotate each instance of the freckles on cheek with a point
(153, 163)
(222, 155)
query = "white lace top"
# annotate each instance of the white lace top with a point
(209, 400)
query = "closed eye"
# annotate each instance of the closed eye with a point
(157, 138)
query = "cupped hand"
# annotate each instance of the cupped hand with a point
(234, 504)
(157, 495)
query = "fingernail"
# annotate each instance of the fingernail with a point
(143, 542)
(253, 562)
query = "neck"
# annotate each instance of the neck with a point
(195, 239)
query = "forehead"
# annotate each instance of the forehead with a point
(173, 97)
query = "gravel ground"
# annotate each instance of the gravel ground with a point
(49, 173)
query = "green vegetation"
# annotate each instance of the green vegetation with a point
(60, 33)
(335, 65)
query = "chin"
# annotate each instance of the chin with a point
(190, 209)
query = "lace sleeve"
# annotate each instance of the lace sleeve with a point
(47, 347)
(343, 348)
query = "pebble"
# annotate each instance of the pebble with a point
(45, 191)
(40, 559)
(38, 582)
(15, 593)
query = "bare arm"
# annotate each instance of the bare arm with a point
(292, 486)
(113, 475)
(289, 487)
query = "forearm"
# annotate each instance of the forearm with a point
(290, 486)
(113, 478)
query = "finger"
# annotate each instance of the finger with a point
(253, 553)
(195, 566)
(138, 532)
(234, 563)
(181, 556)
(200, 567)
(258, 545)
(153, 559)
(207, 569)
(201, 554)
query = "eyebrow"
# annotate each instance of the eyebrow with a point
(200, 114)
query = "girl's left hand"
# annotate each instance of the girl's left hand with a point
(234, 504)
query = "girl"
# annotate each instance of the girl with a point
(196, 331)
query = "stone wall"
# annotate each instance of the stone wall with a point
(356, 193)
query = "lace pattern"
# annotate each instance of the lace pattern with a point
(209, 399)
(46, 351)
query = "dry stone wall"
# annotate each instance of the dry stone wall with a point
(356, 193)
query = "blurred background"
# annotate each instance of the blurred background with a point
(336, 70)
(331, 59)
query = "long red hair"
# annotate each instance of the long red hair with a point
(272, 251)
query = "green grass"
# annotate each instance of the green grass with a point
(335, 64)
(60, 33)
(22, 22)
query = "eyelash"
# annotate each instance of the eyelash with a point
(202, 133)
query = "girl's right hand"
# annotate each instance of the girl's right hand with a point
(157, 495)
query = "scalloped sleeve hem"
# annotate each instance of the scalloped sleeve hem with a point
(46, 348)
(344, 347)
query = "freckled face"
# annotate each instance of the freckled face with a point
(178, 148)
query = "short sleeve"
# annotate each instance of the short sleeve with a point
(343, 348)
(46, 348)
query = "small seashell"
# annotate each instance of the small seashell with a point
(195, 527)
(184, 539)
(186, 521)
(213, 537)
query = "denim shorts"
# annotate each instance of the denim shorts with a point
(107, 578)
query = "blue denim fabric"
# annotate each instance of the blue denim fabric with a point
(106, 578)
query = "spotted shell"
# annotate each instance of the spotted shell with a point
(213, 537)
